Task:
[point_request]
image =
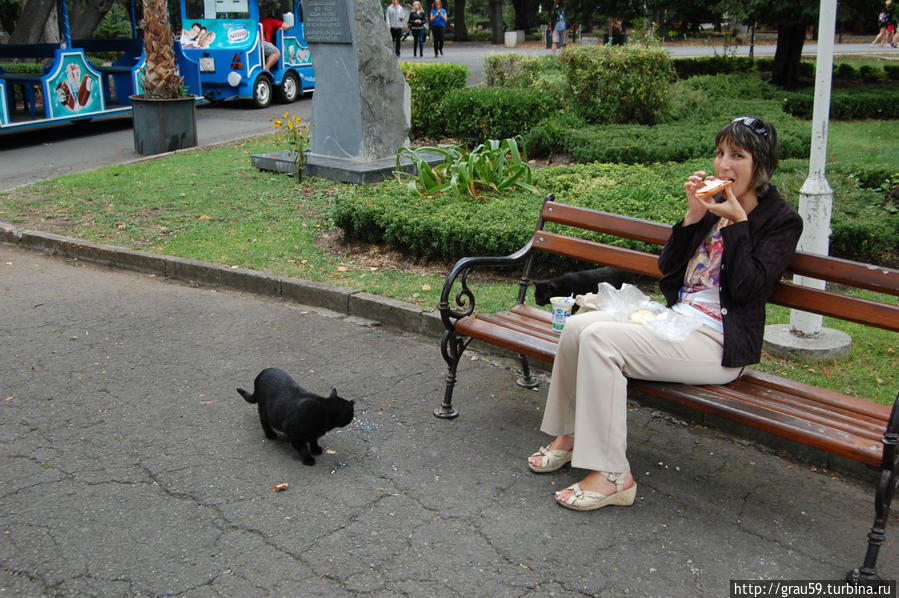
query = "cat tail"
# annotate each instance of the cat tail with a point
(250, 398)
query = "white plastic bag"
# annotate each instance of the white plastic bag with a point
(629, 304)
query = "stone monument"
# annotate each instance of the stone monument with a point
(361, 106)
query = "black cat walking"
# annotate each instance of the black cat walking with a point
(302, 416)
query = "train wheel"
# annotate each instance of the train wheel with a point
(262, 91)
(290, 88)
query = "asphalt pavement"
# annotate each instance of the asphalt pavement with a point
(130, 466)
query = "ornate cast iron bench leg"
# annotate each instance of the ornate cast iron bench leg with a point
(451, 347)
(889, 476)
(526, 380)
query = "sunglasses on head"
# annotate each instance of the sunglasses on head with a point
(753, 123)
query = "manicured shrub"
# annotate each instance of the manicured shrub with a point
(676, 141)
(448, 227)
(891, 71)
(550, 136)
(844, 71)
(543, 73)
(474, 114)
(31, 68)
(619, 84)
(859, 102)
(429, 84)
(870, 73)
(713, 65)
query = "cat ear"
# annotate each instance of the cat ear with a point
(333, 393)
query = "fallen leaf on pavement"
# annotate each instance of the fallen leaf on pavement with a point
(280, 487)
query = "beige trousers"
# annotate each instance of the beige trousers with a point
(588, 392)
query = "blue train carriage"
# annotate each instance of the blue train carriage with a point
(225, 37)
(70, 87)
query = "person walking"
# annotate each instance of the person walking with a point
(885, 23)
(438, 26)
(396, 16)
(417, 20)
(559, 26)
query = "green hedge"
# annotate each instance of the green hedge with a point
(429, 84)
(865, 228)
(713, 65)
(861, 102)
(619, 84)
(634, 144)
(31, 68)
(474, 114)
(702, 105)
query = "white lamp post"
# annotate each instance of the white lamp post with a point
(805, 336)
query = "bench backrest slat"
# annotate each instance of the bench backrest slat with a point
(840, 271)
(830, 269)
(605, 222)
(845, 307)
(591, 251)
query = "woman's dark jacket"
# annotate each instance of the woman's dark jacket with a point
(756, 253)
(421, 16)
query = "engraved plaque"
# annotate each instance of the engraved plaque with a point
(327, 22)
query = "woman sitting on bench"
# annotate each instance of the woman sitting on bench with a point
(720, 264)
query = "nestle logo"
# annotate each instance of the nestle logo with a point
(238, 33)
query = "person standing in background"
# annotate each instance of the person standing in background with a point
(395, 18)
(438, 26)
(417, 19)
(559, 26)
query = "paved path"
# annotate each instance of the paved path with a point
(129, 466)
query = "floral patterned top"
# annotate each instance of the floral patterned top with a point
(699, 295)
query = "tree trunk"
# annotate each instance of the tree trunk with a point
(31, 24)
(496, 21)
(460, 32)
(790, 38)
(85, 16)
(521, 14)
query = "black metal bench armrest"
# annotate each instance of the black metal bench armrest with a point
(464, 298)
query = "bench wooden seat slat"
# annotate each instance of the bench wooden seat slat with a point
(867, 409)
(815, 412)
(513, 340)
(829, 421)
(778, 423)
(526, 325)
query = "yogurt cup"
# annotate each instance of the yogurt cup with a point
(561, 311)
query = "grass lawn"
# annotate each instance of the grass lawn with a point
(210, 204)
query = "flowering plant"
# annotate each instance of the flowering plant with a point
(290, 128)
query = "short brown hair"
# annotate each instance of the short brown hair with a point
(757, 137)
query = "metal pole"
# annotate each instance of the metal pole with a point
(66, 30)
(816, 195)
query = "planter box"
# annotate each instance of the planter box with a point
(164, 125)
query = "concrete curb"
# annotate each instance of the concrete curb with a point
(389, 312)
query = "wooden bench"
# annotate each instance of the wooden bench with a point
(859, 430)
